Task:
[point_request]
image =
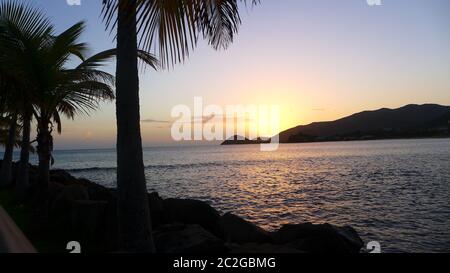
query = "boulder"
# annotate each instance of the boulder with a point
(112, 227)
(88, 219)
(62, 177)
(240, 231)
(61, 207)
(192, 239)
(70, 194)
(319, 238)
(351, 237)
(95, 191)
(156, 205)
(155, 202)
(254, 248)
(189, 211)
(53, 191)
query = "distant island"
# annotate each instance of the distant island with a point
(410, 121)
(240, 140)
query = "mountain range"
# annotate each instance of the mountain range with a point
(427, 120)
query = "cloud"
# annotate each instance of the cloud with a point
(155, 121)
(204, 119)
(194, 120)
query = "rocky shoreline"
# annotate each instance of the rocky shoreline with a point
(80, 210)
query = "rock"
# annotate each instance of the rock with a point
(319, 238)
(71, 193)
(62, 205)
(62, 177)
(188, 211)
(351, 236)
(54, 190)
(289, 233)
(112, 227)
(238, 230)
(253, 248)
(96, 192)
(88, 219)
(192, 239)
(156, 204)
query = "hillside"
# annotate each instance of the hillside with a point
(426, 120)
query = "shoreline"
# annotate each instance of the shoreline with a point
(344, 141)
(86, 211)
(207, 144)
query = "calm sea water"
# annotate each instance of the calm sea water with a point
(396, 192)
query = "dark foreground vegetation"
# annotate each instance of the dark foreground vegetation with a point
(79, 210)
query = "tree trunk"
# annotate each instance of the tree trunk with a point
(22, 181)
(133, 211)
(44, 140)
(6, 170)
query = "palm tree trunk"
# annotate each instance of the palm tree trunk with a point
(22, 181)
(44, 153)
(6, 170)
(133, 211)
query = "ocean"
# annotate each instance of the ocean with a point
(395, 192)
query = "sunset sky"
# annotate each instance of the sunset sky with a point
(317, 59)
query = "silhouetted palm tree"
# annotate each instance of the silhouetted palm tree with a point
(34, 61)
(172, 26)
(9, 135)
(9, 124)
(6, 170)
(4, 131)
(66, 91)
(24, 31)
(70, 91)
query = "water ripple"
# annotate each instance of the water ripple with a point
(394, 192)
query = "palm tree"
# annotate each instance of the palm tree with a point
(10, 128)
(6, 170)
(9, 134)
(66, 92)
(4, 126)
(24, 31)
(4, 131)
(37, 60)
(172, 26)
(34, 62)
(70, 92)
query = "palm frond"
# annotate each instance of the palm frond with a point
(29, 20)
(34, 73)
(23, 30)
(171, 27)
(101, 58)
(66, 44)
